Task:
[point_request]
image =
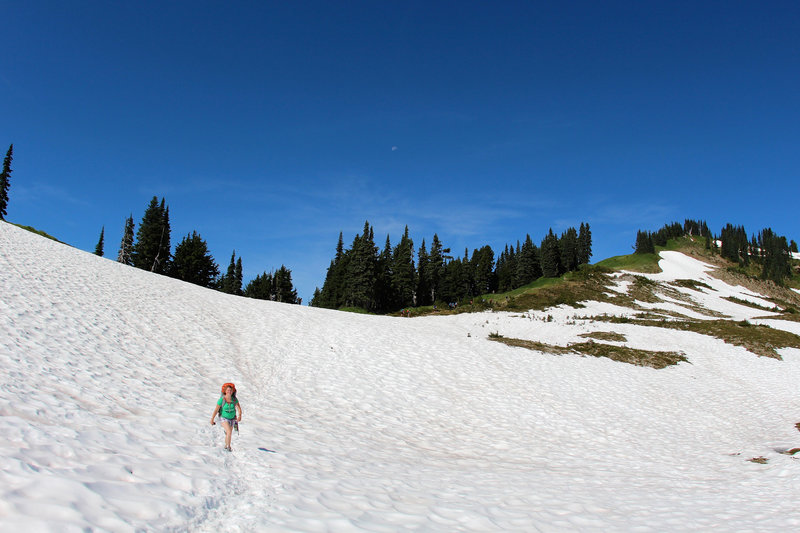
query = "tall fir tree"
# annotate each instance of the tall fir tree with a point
(125, 255)
(384, 293)
(423, 286)
(776, 264)
(403, 271)
(360, 273)
(481, 272)
(151, 251)
(98, 250)
(568, 246)
(584, 244)
(227, 282)
(5, 182)
(528, 267)
(436, 266)
(550, 256)
(644, 243)
(193, 262)
(284, 290)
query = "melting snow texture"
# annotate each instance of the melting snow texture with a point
(364, 423)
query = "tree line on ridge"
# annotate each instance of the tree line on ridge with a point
(398, 277)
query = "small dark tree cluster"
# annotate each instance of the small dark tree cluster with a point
(646, 241)
(390, 280)
(192, 260)
(735, 246)
(774, 255)
(767, 249)
(275, 286)
(231, 282)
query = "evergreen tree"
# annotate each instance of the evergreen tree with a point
(98, 250)
(227, 282)
(503, 272)
(262, 288)
(584, 244)
(125, 255)
(384, 292)
(550, 256)
(360, 273)
(164, 247)
(527, 263)
(436, 266)
(151, 251)
(776, 259)
(5, 182)
(332, 294)
(314, 298)
(403, 271)
(193, 262)
(644, 243)
(284, 290)
(423, 286)
(237, 284)
(735, 246)
(568, 246)
(482, 272)
(793, 246)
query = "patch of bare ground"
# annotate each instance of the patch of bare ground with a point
(643, 289)
(759, 460)
(604, 336)
(759, 339)
(781, 296)
(621, 354)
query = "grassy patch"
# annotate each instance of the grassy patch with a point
(692, 284)
(758, 339)
(622, 354)
(647, 263)
(753, 305)
(604, 336)
(36, 231)
(589, 283)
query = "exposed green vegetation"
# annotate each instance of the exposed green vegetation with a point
(758, 339)
(754, 305)
(604, 336)
(621, 354)
(647, 263)
(38, 232)
(691, 284)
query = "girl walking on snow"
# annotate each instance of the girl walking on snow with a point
(228, 407)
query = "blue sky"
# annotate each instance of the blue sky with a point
(269, 127)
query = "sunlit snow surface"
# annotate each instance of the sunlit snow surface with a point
(362, 423)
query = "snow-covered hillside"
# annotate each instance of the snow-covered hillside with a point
(363, 423)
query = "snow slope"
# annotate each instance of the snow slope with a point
(362, 423)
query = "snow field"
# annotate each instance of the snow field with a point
(362, 423)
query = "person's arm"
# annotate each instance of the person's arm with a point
(239, 408)
(213, 416)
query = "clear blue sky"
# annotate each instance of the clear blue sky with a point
(271, 126)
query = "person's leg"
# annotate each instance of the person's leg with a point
(228, 433)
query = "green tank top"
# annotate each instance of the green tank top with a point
(227, 410)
